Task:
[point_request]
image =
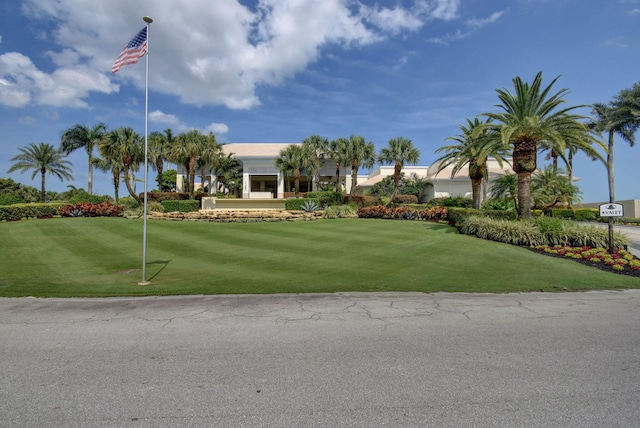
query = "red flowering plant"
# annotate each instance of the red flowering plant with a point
(88, 209)
(620, 261)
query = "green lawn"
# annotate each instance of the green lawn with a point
(103, 256)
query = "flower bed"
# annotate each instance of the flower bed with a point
(237, 215)
(621, 261)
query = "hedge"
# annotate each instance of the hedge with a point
(20, 211)
(295, 204)
(183, 206)
(456, 215)
(580, 214)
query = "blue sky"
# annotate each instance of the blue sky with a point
(281, 70)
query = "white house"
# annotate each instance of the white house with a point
(261, 179)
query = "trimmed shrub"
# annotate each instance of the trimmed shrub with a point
(403, 213)
(20, 211)
(457, 215)
(405, 199)
(7, 199)
(364, 200)
(451, 201)
(326, 197)
(85, 197)
(297, 204)
(87, 209)
(540, 231)
(165, 196)
(340, 211)
(183, 206)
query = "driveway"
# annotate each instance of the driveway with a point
(359, 360)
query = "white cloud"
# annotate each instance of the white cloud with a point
(217, 128)
(204, 53)
(160, 117)
(21, 83)
(473, 25)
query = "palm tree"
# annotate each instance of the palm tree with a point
(400, 150)
(209, 158)
(231, 171)
(114, 166)
(125, 148)
(359, 153)
(550, 187)
(505, 187)
(613, 120)
(338, 152)
(475, 146)
(158, 147)
(82, 136)
(42, 158)
(186, 150)
(320, 147)
(296, 158)
(532, 115)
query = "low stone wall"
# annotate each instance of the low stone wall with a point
(237, 215)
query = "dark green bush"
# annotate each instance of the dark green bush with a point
(457, 214)
(183, 206)
(7, 199)
(451, 201)
(20, 211)
(295, 204)
(326, 197)
(85, 197)
(165, 196)
(364, 200)
(405, 199)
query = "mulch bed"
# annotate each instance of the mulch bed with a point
(602, 266)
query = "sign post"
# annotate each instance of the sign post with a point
(611, 210)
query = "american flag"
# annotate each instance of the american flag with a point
(134, 50)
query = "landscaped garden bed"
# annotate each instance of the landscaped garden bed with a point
(237, 215)
(620, 261)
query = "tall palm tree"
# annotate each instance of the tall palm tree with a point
(400, 150)
(613, 120)
(186, 150)
(209, 158)
(359, 153)
(320, 147)
(531, 115)
(158, 147)
(338, 152)
(83, 136)
(296, 158)
(114, 166)
(474, 147)
(125, 147)
(43, 158)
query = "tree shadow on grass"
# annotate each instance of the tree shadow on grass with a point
(163, 264)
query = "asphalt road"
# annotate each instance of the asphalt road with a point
(361, 360)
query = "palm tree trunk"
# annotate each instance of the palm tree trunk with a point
(296, 181)
(612, 190)
(354, 179)
(127, 181)
(337, 177)
(116, 185)
(524, 164)
(396, 179)
(524, 195)
(476, 184)
(90, 176)
(43, 194)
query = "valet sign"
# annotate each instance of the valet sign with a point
(611, 210)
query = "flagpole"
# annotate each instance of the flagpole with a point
(146, 156)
